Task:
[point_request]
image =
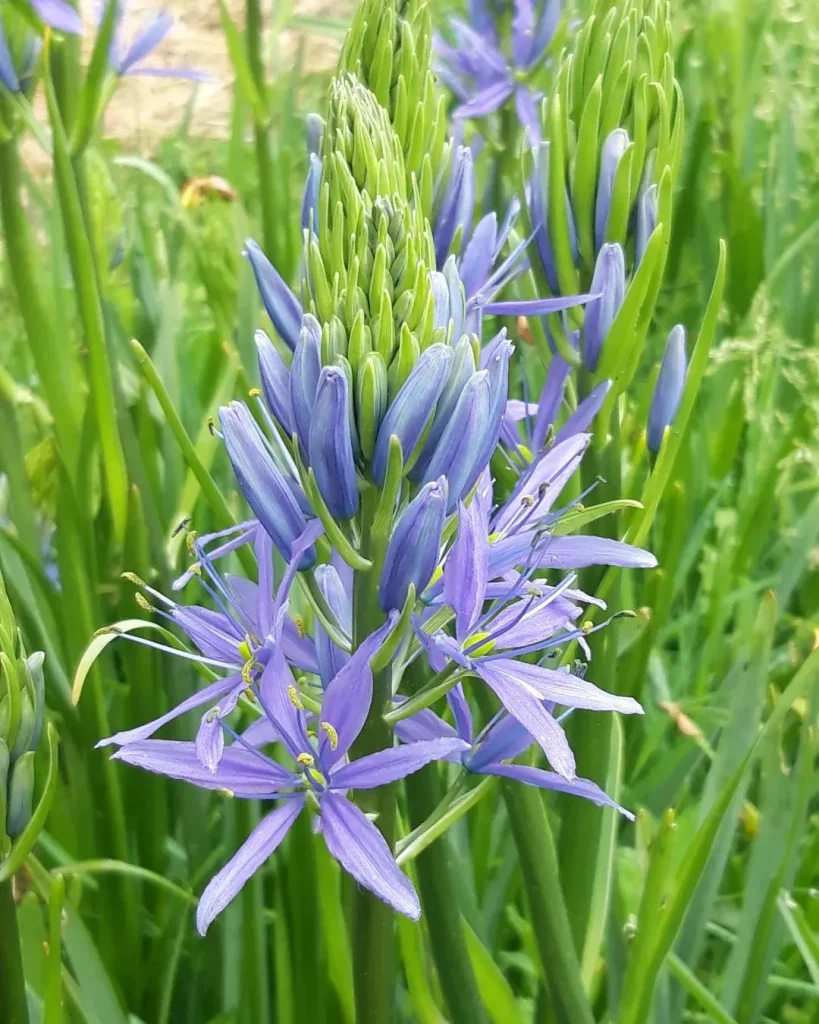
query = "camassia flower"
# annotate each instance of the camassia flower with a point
(478, 71)
(490, 750)
(130, 59)
(320, 777)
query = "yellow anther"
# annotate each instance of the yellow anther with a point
(133, 578)
(527, 501)
(212, 715)
(255, 393)
(306, 760)
(247, 672)
(332, 735)
(299, 621)
(587, 626)
(250, 695)
(195, 569)
(295, 699)
(143, 603)
(225, 792)
(190, 542)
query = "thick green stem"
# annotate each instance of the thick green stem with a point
(13, 1006)
(51, 353)
(373, 920)
(548, 916)
(443, 918)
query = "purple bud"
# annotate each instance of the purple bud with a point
(668, 390)
(58, 14)
(331, 446)
(304, 375)
(315, 130)
(262, 483)
(479, 254)
(495, 360)
(146, 41)
(646, 221)
(309, 203)
(281, 304)
(463, 367)
(275, 377)
(456, 205)
(617, 142)
(8, 76)
(457, 451)
(414, 547)
(457, 298)
(413, 405)
(331, 658)
(609, 282)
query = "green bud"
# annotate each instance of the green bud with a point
(20, 794)
(318, 285)
(371, 400)
(405, 359)
(360, 342)
(383, 328)
(333, 341)
(4, 776)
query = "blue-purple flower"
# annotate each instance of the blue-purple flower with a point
(668, 390)
(130, 59)
(482, 76)
(318, 774)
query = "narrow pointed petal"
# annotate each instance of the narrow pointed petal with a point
(281, 702)
(523, 31)
(529, 621)
(575, 552)
(309, 204)
(361, 850)
(461, 370)
(262, 483)
(523, 705)
(477, 258)
(215, 635)
(261, 732)
(505, 740)
(330, 444)
(387, 766)
(526, 109)
(414, 547)
(542, 487)
(550, 780)
(563, 688)
(581, 419)
(240, 770)
(550, 401)
(146, 40)
(456, 206)
(207, 695)
(466, 570)
(348, 698)
(58, 14)
(251, 855)
(275, 377)
(496, 364)
(210, 741)
(487, 101)
(281, 304)
(461, 712)
(647, 203)
(668, 390)
(423, 727)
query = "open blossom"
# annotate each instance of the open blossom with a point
(480, 73)
(321, 776)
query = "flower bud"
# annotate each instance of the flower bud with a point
(456, 452)
(310, 200)
(540, 218)
(315, 130)
(304, 375)
(278, 300)
(615, 145)
(646, 221)
(264, 486)
(609, 282)
(275, 378)
(463, 367)
(668, 390)
(331, 658)
(20, 794)
(371, 400)
(453, 217)
(412, 554)
(330, 446)
(8, 76)
(413, 407)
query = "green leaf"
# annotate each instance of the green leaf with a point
(495, 990)
(98, 72)
(244, 75)
(572, 521)
(695, 988)
(804, 937)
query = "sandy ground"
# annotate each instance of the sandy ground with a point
(144, 108)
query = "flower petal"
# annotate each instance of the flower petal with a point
(549, 780)
(247, 860)
(361, 850)
(466, 569)
(207, 695)
(423, 726)
(487, 101)
(575, 552)
(348, 698)
(538, 491)
(58, 14)
(563, 688)
(241, 771)
(387, 766)
(529, 711)
(281, 703)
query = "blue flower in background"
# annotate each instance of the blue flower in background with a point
(479, 73)
(129, 60)
(59, 14)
